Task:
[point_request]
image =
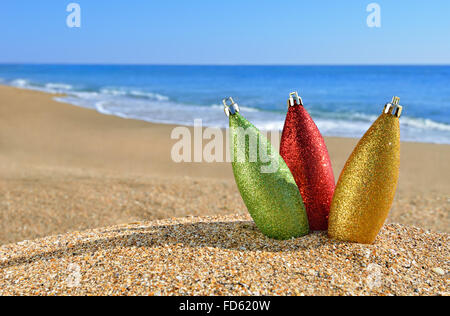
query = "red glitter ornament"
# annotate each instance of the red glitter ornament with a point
(304, 151)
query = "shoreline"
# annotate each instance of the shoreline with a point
(159, 135)
(65, 168)
(64, 93)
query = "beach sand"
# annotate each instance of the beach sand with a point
(66, 169)
(224, 255)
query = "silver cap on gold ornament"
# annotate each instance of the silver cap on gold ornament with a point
(393, 107)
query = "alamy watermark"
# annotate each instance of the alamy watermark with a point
(74, 275)
(374, 18)
(215, 144)
(74, 17)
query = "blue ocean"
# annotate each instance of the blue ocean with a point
(343, 100)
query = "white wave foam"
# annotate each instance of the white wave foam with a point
(149, 95)
(426, 124)
(153, 107)
(110, 91)
(58, 86)
(20, 83)
(407, 121)
(133, 93)
(170, 112)
(100, 107)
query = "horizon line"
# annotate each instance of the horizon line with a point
(218, 65)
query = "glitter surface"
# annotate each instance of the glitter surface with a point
(367, 184)
(304, 151)
(272, 199)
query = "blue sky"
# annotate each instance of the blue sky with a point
(225, 32)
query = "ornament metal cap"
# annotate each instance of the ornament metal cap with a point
(231, 108)
(294, 99)
(393, 107)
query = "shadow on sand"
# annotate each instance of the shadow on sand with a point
(238, 235)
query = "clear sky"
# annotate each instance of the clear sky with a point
(225, 32)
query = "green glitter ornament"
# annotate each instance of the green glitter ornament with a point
(264, 180)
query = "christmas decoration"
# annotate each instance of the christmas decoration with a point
(366, 186)
(305, 153)
(264, 180)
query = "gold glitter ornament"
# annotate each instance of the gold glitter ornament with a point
(367, 184)
(264, 180)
